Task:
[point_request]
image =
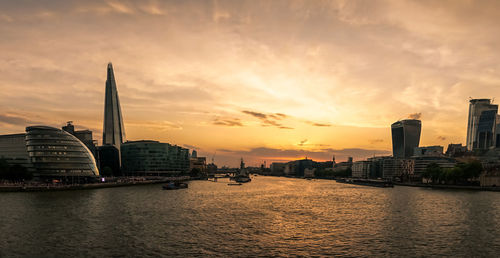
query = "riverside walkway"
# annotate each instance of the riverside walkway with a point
(117, 182)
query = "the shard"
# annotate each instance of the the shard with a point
(114, 132)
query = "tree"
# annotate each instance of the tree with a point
(107, 171)
(433, 171)
(195, 172)
(4, 168)
(18, 172)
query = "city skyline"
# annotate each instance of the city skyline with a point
(223, 82)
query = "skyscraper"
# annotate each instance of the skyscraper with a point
(481, 125)
(114, 132)
(405, 137)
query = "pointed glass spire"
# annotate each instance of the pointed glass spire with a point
(114, 132)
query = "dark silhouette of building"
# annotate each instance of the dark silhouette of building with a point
(84, 136)
(114, 131)
(13, 150)
(405, 137)
(456, 150)
(109, 160)
(153, 158)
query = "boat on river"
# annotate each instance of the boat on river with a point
(242, 179)
(242, 176)
(174, 186)
(367, 182)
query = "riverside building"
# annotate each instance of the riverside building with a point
(153, 158)
(481, 124)
(50, 153)
(405, 137)
(13, 150)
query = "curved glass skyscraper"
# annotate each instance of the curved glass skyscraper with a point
(56, 153)
(405, 137)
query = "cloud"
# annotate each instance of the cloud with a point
(269, 119)
(157, 125)
(255, 114)
(374, 141)
(193, 147)
(441, 138)
(120, 7)
(302, 142)
(278, 116)
(273, 154)
(13, 119)
(227, 122)
(415, 115)
(318, 124)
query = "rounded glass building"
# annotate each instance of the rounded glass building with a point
(57, 154)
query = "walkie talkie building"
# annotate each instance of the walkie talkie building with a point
(405, 137)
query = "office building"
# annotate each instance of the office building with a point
(433, 151)
(108, 157)
(85, 136)
(361, 169)
(297, 167)
(481, 127)
(55, 153)
(277, 168)
(49, 153)
(114, 131)
(421, 164)
(153, 158)
(405, 137)
(13, 150)
(198, 163)
(456, 150)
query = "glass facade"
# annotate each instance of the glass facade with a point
(405, 137)
(114, 131)
(13, 150)
(153, 158)
(57, 153)
(482, 124)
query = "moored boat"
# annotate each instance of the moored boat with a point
(174, 186)
(367, 182)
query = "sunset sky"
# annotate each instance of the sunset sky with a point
(262, 80)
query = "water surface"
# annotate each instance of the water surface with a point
(269, 216)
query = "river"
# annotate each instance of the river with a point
(270, 216)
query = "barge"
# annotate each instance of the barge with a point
(367, 182)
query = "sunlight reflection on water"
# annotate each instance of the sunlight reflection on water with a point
(269, 216)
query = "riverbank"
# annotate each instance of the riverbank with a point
(63, 187)
(459, 187)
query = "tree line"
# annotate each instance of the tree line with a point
(14, 172)
(323, 173)
(461, 173)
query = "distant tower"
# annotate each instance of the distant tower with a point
(114, 132)
(481, 124)
(242, 164)
(405, 137)
(69, 127)
(194, 154)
